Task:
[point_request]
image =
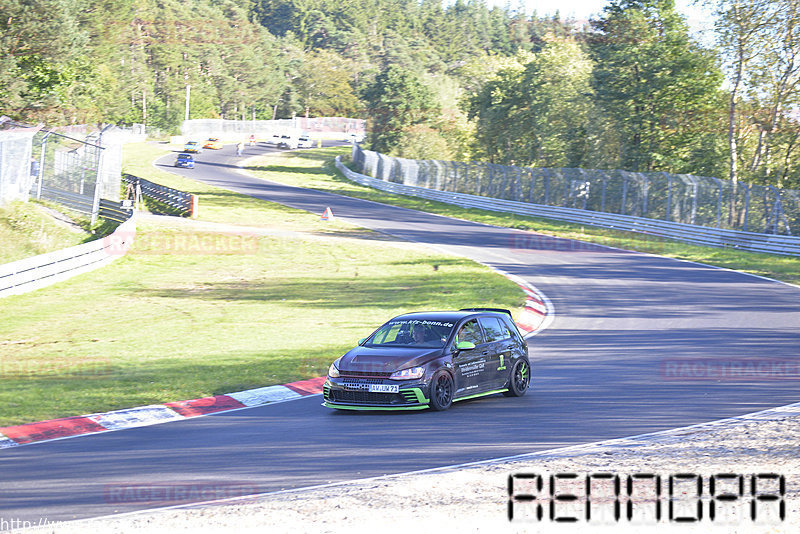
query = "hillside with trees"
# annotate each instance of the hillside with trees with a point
(633, 89)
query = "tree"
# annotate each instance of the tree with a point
(660, 88)
(776, 77)
(742, 26)
(324, 85)
(397, 102)
(41, 43)
(537, 113)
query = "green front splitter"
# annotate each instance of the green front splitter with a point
(384, 408)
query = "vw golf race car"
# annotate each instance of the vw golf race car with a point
(430, 360)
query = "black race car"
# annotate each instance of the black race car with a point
(429, 360)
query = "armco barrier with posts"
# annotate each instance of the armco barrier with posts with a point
(700, 235)
(185, 204)
(46, 269)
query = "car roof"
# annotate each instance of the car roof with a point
(450, 315)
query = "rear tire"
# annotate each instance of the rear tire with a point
(520, 379)
(441, 391)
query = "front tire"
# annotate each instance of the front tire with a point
(441, 391)
(520, 379)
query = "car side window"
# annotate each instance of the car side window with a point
(494, 328)
(470, 331)
(512, 332)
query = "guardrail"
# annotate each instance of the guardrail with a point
(46, 269)
(115, 211)
(699, 235)
(184, 203)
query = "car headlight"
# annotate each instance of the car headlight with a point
(408, 374)
(333, 372)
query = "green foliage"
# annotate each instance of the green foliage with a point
(325, 85)
(537, 113)
(631, 91)
(646, 68)
(397, 102)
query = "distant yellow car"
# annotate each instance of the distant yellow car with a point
(213, 143)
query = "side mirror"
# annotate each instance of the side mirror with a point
(465, 345)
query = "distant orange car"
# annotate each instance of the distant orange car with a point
(213, 143)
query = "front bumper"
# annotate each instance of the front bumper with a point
(353, 394)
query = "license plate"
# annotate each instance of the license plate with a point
(384, 388)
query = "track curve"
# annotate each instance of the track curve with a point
(600, 371)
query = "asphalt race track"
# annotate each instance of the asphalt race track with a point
(609, 366)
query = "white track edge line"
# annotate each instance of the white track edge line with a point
(578, 450)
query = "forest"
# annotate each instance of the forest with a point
(631, 89)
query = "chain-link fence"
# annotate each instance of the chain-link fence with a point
(45, 164)
(17, 169)
(223, 128)
(681, 198)
(68, 171)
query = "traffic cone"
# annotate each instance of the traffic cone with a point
(327, 215)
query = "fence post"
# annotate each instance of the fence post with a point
(43, 154)
(719, 200)
(746, 205)
(624, 206)
(96, 200)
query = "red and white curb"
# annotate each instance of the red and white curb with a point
(67, 427)
(537, 312)
(535, 317)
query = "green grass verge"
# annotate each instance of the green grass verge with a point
(188, 313)
(216, 204)
(314, 169)
(27, 230)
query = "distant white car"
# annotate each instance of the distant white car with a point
(355, 138)
(287, 141)
(304, 141)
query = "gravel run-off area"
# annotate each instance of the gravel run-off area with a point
(475, 498)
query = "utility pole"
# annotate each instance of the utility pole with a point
(188, 93)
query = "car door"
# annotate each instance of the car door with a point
(500, 346)
(471, 366)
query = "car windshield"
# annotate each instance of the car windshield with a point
(422, 333)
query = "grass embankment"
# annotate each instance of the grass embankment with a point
(27, 230)
(315, 169)
(188, 314)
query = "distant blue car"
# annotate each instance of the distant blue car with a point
(185, 160)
